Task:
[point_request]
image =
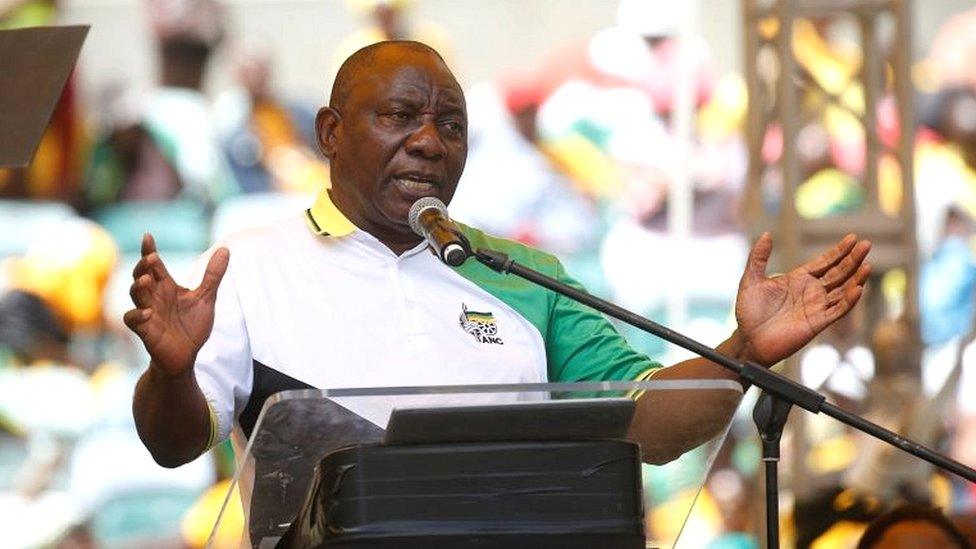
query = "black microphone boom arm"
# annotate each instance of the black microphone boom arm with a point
(767, 380)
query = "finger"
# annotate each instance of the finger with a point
(758, 259)
(141, 291)
(148, 244)
(153, 264)
(136, 319)
(828, 259)
(859, 279)
(849, 298)
(848, 265)
(141, 268)
(843, 299)
(216, 268)
(156, 267)
(862, 274)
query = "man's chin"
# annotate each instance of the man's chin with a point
(395, 219)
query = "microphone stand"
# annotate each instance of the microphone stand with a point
(780, 392)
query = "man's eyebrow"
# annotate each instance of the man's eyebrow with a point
(402, 99)
(452, 102)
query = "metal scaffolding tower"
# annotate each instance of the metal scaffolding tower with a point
(789, 88)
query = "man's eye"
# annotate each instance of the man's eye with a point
(453, 126)
(400, 116)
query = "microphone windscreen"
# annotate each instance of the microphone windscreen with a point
(420, 206)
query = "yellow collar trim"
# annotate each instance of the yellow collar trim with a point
(325, 219)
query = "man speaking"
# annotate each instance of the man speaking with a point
(349, 296)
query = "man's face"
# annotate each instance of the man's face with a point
(401, 136)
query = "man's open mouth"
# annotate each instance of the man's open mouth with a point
(415, 185)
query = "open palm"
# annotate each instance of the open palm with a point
(779, 315)
(173, 322)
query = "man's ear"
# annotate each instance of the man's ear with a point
(326, 129)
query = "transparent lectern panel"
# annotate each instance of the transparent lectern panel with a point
(679, 426)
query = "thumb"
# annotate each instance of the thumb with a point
(216, 268)
(758, 259)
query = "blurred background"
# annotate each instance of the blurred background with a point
(644, 142)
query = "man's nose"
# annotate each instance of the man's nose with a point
(426, 141)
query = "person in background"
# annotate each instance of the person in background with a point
(268, 142)
(912, 527)
(389, 20)
(30, 333)
(165, 146)
(69, 268)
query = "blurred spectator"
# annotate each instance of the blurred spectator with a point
(76, 471)
(162, 145)
(641, 50)
(68, 266)
(947, 281)
(839, 363)
(55, 171)
(511, 187)
(129, 164)
(833, 516)
(952, 51)
(910, 527)
(29, 330)
(389, 20)
(592, 120)
(270, 144)
(945, 163)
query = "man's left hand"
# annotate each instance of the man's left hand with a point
(778, 315)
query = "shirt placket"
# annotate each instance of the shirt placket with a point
(411, 316)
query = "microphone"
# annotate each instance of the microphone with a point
(428, 218)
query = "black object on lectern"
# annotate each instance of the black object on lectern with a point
(525, 474)
(507, 465)
(562, 420)
(566, 495)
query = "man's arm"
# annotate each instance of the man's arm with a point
(172, 416)
(776, 317)
(669, 423)
(170, 411)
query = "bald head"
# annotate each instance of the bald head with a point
(395, 131)
(359, 63)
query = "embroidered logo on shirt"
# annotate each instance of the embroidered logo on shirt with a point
(480, 325)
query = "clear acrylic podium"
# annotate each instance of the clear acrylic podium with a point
(296, 429)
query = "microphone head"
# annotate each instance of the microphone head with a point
(420, 206)
(454, 255)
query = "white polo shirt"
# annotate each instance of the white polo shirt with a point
(315, 302)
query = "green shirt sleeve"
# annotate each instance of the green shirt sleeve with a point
(582, 345)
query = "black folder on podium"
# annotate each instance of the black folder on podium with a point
(486, 466)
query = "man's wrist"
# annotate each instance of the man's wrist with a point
(164, 374)
(736, 347)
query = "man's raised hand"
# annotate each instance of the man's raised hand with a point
(173, 322)
(779, 315)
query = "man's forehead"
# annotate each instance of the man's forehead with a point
(409, 69)
(419, 79)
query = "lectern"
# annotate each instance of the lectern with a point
(533, 465)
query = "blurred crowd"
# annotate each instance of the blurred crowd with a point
(575, 152)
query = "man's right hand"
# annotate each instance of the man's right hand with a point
(173, 322)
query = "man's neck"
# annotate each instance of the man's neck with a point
(399, 242)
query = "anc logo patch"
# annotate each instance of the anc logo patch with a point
(480, 325)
